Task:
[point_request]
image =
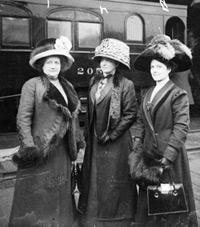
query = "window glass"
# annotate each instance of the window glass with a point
(15, 31)
(175, 28)
(58, 28)
(134, 29)
(89, 34)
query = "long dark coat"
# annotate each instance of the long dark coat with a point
(168, 114)
(45, 123)
(108, 194)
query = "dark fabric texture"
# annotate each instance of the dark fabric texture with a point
(108, 195)
(168, 114)
(48, 130)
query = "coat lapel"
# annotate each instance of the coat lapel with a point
(147, 108)
(160, 97)
(93, 92)
(151, 108)
(55, 102)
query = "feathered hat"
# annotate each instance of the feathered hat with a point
(167, 50)
(115, 50)
(53, 47)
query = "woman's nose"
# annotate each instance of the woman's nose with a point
(53, 65)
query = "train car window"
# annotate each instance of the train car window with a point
(175, 28)
(15, 24)
(58, 28)
(82, 27)
(15, 32)
(134, 29)
(89, 34)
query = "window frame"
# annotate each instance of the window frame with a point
(176, 19)
(75, 25)
(27, 15)
(143, 30)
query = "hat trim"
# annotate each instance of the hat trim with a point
(113, 58)
(50, 53)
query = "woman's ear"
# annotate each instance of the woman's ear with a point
(169, 69)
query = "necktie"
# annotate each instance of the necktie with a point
(101, 85)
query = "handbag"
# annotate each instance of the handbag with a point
(166, 198)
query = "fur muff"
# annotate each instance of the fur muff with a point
(142, 171)
(27, 157)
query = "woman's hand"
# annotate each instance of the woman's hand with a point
(137, 141)
(165, 163)
(104, 139)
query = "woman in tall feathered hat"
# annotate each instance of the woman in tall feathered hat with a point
(106, 184)
(47, 128)
(163, 124)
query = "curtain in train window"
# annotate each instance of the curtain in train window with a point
(59, 28)
(88, 34)
(134, 29)
(175, 28)
(15, 31)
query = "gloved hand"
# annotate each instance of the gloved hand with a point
(137, 142)
(29, 157)
(104, 139)
(166, 164)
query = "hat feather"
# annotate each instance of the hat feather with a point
(165, 51)
(181, 48)
(165, 48)
(161, 38)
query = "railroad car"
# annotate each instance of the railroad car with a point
(85, 23)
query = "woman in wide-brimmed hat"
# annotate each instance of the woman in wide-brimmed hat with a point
(47, 128)
(164, 123)
(108, 195)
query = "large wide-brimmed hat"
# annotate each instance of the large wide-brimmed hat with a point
(115, 50)
(167, 50)
(53, 47)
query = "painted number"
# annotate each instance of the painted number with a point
(90, 71)
(87, 71)
(80, 71)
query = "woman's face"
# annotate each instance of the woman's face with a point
(52, 67)
(159, 71)
(108, 66)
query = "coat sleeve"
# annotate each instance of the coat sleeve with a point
(181, 121)
(129, 111)
(137, 129)
(25, 114)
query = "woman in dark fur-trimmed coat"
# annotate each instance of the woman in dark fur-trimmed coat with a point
(48, 132)
(164, 123)
(108, 194)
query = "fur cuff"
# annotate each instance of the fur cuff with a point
(28, 157)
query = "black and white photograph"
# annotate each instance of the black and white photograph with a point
(100, 113)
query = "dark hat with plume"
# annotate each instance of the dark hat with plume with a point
(166, 50)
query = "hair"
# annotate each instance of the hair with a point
(170, 64)
(116, 79)
(40, 63)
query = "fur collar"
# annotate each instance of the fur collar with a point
(55, 100)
